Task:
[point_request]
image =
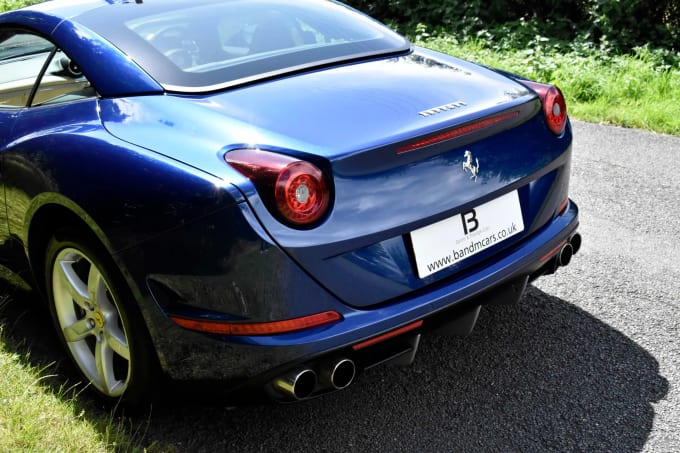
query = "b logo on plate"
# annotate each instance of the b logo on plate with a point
(470, 222)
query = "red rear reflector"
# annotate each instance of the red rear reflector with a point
(258, 328)
(387, 336)
(563, 207)
(458, 132)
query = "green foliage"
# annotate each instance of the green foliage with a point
(8, 5)
(630, 23)
(618, 24)
(641, 89)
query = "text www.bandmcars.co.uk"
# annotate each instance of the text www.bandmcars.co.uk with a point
(472, 248)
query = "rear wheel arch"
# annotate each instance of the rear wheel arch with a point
(44, 222)
(56, 223)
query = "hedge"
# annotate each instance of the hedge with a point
(623, 23)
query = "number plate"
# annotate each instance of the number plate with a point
(451, 240)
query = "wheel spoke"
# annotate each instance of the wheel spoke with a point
(96, 288)
(104, 361)
(78, 330)
(117, 342)
(73, 284)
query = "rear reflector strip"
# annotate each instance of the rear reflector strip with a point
(458, 131)
(563, 207)
(258, 328)
(387, 336)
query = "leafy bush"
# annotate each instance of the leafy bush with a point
(639, 89)
(630, 23)
(619, 24)
(8, 5)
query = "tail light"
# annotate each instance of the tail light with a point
(293, 190)
(554, 105)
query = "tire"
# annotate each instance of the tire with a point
(98, 321)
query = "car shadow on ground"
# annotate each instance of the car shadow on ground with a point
(539, 375)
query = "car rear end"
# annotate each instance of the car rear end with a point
(410, 223)
(378, 194)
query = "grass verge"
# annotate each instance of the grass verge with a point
(39, 414)
(640, 89)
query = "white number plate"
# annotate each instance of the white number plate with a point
(451, 240)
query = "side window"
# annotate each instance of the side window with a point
(62, 81)
(22, 57)
(27, 59)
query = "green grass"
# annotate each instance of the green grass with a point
(640, 90)
(37, 413)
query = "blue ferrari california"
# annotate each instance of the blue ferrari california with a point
(266, 194)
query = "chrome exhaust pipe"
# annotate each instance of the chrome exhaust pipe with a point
(564, 257)
(298, 384)
(338, 374)
(575, 242)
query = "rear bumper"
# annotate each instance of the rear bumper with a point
(245, 360)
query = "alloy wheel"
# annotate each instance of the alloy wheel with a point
(90, 321)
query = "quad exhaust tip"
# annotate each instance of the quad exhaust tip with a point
(298, 384)
(575, 242)
(338, 374)
(564, 257)
(568, 251)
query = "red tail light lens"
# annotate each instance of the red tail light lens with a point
(294, 191)
(301, 193)
(554, 105)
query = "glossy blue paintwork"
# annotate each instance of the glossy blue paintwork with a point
(335, 113)
(144, 170)
(391, 194)
(111, 71)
